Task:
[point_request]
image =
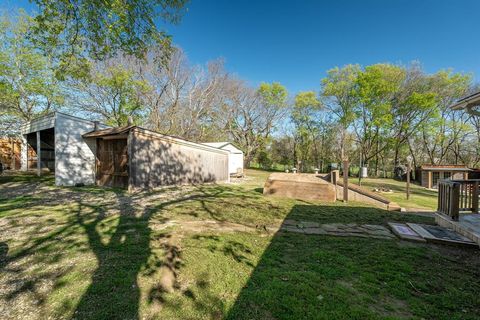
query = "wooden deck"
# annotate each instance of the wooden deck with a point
(467, 225)
(458, 207)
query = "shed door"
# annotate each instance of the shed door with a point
(112, 163)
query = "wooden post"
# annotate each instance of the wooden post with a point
(408, 180)
(475, 197)
(345, 180)
(39, 155)
(455, 201)
(429, 183)
(440, 196)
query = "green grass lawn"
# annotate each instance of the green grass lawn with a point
(99, 253)
(420, 197)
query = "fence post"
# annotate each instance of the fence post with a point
(454, 201)
(345, 180)
(440, 198)
(475, 197)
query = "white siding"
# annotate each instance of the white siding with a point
(42, 123)
(235, 158)
(235, 162)
(74, 155)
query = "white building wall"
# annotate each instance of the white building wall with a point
(24, 153)
(235, 162)
(235, 158)
(74, 155)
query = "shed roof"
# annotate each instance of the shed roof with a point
(216, 144)
(447, 167)
(468, 103)
(107, 132)
(125, 129)
(222, 145)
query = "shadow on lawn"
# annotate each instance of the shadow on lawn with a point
(302, 276)
(114, 292)
(3, 254)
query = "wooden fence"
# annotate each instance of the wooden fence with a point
(456, 196)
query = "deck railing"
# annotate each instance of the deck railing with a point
(456, 196)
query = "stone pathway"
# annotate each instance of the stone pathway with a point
(304, 227)
(338, 229)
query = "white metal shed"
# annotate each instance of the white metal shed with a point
(235, 158)
(59, 146)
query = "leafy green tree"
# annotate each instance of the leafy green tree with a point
(340, 98)
(305, 119)
(114, 92)
(444, 133)
(376, 88)
(28, 86)
(104, 28)
(413, 104)
(282, 151)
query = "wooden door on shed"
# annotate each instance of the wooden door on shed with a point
(112, 163)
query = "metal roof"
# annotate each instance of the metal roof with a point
(468, 103)
(107, 132)
(216, 144)
(445, 168)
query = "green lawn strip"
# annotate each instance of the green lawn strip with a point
(420, 197)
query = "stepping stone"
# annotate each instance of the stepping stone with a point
(438, 234)
(332, 227)
(292, 229)
(314, 231)
(289, 222)
(373, 227)
(405, 232)
(309, 224)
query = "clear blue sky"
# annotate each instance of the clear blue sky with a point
(296, 42)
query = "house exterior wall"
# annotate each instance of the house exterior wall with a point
(425, 179)
(454, 175)
(74, 155)
(157, 160)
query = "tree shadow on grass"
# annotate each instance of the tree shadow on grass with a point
(3, 254)
(114, 291)
(305, 276)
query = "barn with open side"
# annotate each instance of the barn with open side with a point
(59, 147)
(83, 152)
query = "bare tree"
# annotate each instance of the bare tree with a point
(251, 115)
(184, 98)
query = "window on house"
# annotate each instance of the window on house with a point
(447, 175)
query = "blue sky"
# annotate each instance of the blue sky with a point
(296, 42)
